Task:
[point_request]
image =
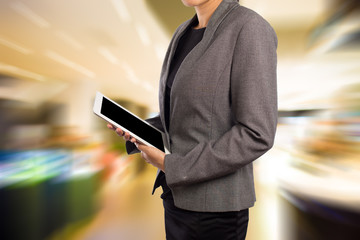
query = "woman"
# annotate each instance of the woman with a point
(218, 109)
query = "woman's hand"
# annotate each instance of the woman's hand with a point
(121, 133)
(152, 155)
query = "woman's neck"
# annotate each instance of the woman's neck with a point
(205, 11)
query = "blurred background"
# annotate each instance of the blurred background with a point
(64, 175)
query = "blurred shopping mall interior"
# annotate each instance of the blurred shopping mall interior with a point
(64, 175)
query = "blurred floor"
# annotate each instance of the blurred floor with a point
(129, 211)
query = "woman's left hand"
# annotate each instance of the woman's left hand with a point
(152, 155)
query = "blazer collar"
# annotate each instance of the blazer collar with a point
(220, 13)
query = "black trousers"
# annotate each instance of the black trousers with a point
(188, 225)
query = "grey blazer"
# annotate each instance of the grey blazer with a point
(223, 110)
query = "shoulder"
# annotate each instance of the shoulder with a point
(249, 22)
(245, 16)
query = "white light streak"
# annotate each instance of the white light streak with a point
(121, 10)
(160, 51)
(69, 40)
(21, 72)
(148, 87)
(130, 73)
(107, 54)
(62, 60)
(143, 34)
(26, 12)
(15, 46)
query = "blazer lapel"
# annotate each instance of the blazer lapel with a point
(166, 67)
(216, 19)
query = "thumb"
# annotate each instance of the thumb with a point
(138, 145)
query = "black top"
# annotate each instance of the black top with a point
(186, 43)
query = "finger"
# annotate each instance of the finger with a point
(127, 136)
(119, 132)
(110, 126)
(133, 140)
(142, 147)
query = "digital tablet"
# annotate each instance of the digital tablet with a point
(122, 118)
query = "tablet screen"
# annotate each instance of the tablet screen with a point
(132, 123)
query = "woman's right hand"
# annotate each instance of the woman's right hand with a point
(121, 133)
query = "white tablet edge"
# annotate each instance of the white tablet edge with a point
(97, 110)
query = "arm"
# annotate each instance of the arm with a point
(254, 107)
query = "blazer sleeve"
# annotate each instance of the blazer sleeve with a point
(156, 122)
(253, 105)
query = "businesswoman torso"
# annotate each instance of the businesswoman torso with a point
(222, 112)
